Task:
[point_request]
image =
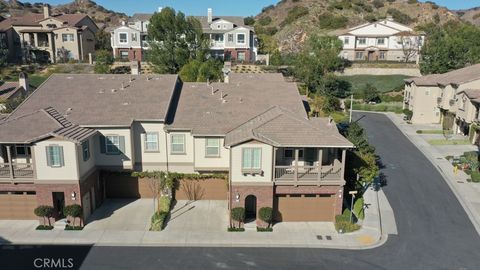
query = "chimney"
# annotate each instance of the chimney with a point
(210, 15)
(46, 11)
(23, 81)
(390, 18)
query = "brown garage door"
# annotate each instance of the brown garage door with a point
(304, 208)
(17, 205)
(208, 189)
(126, 186)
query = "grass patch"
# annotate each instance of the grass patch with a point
(384, 83)
(73, 228)
(474, 176)
(44, 228)
(231, 229)
(382, 107)
(339, 117)
(431, 131)
(259, 229)
(449, 142)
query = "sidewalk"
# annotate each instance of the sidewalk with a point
(292, 234)
(468, 194)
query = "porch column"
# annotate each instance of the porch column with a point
(319, 166)
(295, 174)
(344, 156)
(36, 40)
(274, 165)
(10, 162)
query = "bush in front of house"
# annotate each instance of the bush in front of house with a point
(158, 220)
(75, 211)
(343, 224)
(358, 209)
(266, 215)
(232, 229)
(73, 228)
(260, 229)
(238, 215)
(45, 212)
(44, 228)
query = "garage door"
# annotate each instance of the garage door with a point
(17, 205)
(208, 189)
(125, 186)
(304, 208)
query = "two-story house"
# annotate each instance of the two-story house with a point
(384, 40)
(48, 38)
(59, 145)
(129, 41)
(9, 91)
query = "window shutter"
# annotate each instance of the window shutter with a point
(60, 150)
(122, 143)
(102, 144)
(49, 156)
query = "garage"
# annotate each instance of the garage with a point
(308, 207)
(17, 205)
(121, 186)
(201, 189)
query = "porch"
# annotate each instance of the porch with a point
(307, 166)
(16, 163)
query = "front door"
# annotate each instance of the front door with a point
(58, 204)
(250, 208)
(371, 55)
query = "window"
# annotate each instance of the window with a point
(151, 142)
(288, 153)
(359, 55)
(178, 144)
(86, 150)
(212, 147)
(362, 41)
(381, 41)
(54, 156)
(346, 41)
(218, 37)
(241, 56)
(67, 37)
(382, 55)
(124, 54)
(112, 144)
(241, 38)
(122, 38)
(230, 37)
(251, 158)
(22, 150)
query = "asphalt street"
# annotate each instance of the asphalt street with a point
(433, 230)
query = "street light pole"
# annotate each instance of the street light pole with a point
(351, 205)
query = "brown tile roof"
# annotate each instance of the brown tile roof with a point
(236, 20)
(281, 128)
(35, 19)
(98, 99)
(142, 16)
(472, 94)
(459, 76)
(71, 19)
(246, 96)
(9, 89)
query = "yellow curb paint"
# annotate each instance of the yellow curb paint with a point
(366, 239)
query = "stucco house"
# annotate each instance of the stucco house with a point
(129, 41)
(384, 40)
(253, 127)
(48, 38)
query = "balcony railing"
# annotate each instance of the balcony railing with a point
(307, 173)
(16, 170)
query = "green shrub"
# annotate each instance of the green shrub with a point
(233, 229)
(103, 60)
(44, 227)
(238, 214)
(330, 21)
(158, 220)
(265, 21)
(74, 210)
(73, 228)
(294, 14)
(260, 229)
(164, 204)
(266, 215)
(408, 114)
(399, 16)
(45, 212)
(358, 209)
(343, 224)
(378, 3)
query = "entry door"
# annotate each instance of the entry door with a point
(86, 206)
(58, 203)
(250, 208)
(371, 56)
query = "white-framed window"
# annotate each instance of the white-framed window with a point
(212, 147)
(177, 143)
(241, 38)
(241, 56)
(380, 41)
(218, 37)
(22, 150)
(112, 144)
(362, 41)
(151, 142)
(230, 37)
(122, 38)
(359, 55)
(251, 159)
(346, 40)
(382, 55)
(86, 150)
(124, 54)
(68, 38)
(54, 156)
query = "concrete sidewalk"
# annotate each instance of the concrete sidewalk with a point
(468, 194)
(289, 234)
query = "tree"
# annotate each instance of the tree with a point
(238, 214)
(102, 40)
(410, 45)
(322, 105)
(3, 57)
(103, 61)
(63, 55)
(249, 20)
(45, 212)
(197, 71)
(335, 86)
(74, 210)
(174, 40)
(266, 215)
(370, 93)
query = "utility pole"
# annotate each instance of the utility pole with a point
(351, 107)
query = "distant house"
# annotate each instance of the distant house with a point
(230, 38)
(48, 38)
(384, 40)
(12, 90)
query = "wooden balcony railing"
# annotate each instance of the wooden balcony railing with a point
(307, 173)
(16, 170)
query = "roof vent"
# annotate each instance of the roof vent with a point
(68, 111)
(131, 79)
(101, 78)
(114, 90)
(125, 103)
(241, 100)
(101, 91)
(122, 87)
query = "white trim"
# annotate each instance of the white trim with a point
(244, 39)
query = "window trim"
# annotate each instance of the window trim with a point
(362, 43)
(184, 151)
(244, 39)
(383, 41)
(86, 149)
(252, 170)
(120, 39)
(206, 148)
(26, 149)
(157, 150)
(346, 40)
(230, 38)
(68, 35)
(107, 144)
(60, 158)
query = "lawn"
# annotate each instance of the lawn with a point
(395, 107)
(449, 142)
(384, 83)
(430, 131)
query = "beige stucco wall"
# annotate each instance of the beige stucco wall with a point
(236, 163)
(85, 167)
(71, 46)
(68, 172)
(424, 104)
(149, 161)
(466, 110)
(183, 163)
(122, 161)
(210, 163)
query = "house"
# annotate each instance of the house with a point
(229, 37)
(84, 128)
(384, 40)
(13, 90)
(129, 41)
(451, 96)
(48, 38)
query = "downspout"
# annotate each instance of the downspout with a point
(166, 148)
(230, 188)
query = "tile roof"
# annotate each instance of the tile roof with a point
(281, 128)
(246, 96)
(237, 20)
(35, 19)
(472, 94)
(9, 89)
(459, 76)
(141, 17)
(99, 100)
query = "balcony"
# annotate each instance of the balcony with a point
(16, 164)
(13, 171)
(307, 173)
(439, 100)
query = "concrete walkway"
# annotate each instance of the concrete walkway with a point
(467, 193)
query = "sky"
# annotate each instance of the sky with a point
(221, 7)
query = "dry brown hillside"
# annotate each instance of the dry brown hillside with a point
(470, 15)
(292, 20)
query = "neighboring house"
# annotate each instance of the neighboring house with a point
(435, 97)
(230, 39)
(13, 90)
(48, 38)
(59, 146)
(384, 40)
(129, 41)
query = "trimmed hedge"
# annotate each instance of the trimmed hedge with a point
(238, 214)
(232, 229)
(73, 228)
(260, 229)
(158, 220)
(342, 223)
(44, 227)
(266, 215)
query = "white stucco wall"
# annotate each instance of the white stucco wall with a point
(184, 162)
(86, 166)
(124, 160)
(145, 160)
(210, 163)
(67, 172)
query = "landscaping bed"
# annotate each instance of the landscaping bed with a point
(73, 228)
(160, 217)
(449, 142)
(468, 163)
(44, 228)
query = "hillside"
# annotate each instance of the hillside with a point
(98, 13)
(289, 21)
(470, 15)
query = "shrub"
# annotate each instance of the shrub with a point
(266, 215)
(330, 21)
(238, 214)
(265, 20)
(412, 1)
(249, 21)
(164, 204)
(399, 16)
(233, 229)
(408, 114)
(378, 3)
(358, 208)
(294, 14)
(259, 229)
(343, 224)
(74, 210)
(45, 212)
(73, 228)
(103, 60)
(44, 227)
(158, 220)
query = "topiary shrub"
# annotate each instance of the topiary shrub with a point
(158, 220)
(238, 214)
(45, 212)
(343, 224)
(266, 215)
(74, 210)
